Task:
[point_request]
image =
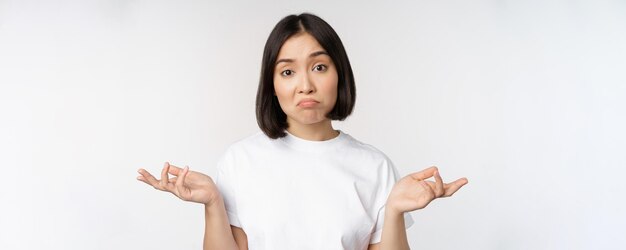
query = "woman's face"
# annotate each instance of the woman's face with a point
(305, 80)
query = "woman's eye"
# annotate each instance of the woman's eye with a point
(286, 72)
(320, 67)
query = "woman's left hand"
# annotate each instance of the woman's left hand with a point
(414, 192)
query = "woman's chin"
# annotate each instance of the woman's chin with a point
(310, 120)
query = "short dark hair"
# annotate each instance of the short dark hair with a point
(269, 115)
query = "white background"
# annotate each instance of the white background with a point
(527, 99)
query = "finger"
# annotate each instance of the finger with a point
(174, 170)
(140, 178)
(148, 178)
(430, 184)
(180, 183)
(424, 174)
(428, 187)
(439, 191)
(452, 187)
(164, 176)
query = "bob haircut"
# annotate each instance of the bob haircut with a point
(269, 115)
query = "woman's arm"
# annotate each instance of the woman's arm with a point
(394, 233)
(217, 231)
(197, 187)
(410, 193)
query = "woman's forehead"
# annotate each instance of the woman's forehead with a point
(299, 46)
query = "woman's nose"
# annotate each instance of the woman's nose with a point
(306, 91)
(306, 85)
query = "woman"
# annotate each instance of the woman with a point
(300, 184)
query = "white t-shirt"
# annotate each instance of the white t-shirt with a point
(292, 193)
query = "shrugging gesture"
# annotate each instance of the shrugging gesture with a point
(414, 192)
(186, 185)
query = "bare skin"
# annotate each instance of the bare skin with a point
(412, 192)
(191, 186)
(197, 187)
(306, 72)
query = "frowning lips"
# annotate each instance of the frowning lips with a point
(307, 102)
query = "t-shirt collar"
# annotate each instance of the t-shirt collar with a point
(313, 146)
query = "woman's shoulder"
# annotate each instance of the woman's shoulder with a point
(364, 148)
(240, 147)
(253, 140)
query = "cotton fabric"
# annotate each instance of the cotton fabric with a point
(292, 193)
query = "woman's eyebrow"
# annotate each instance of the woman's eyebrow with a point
(314, 54)
(317, 53)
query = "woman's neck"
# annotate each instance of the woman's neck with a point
(320, 131)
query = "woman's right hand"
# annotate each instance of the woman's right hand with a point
(186, 185)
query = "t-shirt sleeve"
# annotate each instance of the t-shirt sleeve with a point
(389, 177)
(225, 182)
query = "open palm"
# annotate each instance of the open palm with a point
(414, 192)
(186, 185)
